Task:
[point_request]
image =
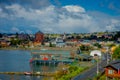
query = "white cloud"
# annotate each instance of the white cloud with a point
(74, 8)
(48, 30)
(14, 7)
(114, 21)
(28, 31)
(2, 14)
(0, 10)
(14, 30)
(69, 18)
(114, 25)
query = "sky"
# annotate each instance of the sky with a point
(59, 16)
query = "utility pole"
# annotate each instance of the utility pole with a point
(107, 50)
(107, 54)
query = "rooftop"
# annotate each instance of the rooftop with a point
(115, 64)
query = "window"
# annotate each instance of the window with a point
(110, 71)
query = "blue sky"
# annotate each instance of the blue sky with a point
(59, 16)
(107, 6)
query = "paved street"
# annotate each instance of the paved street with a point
(91, 73)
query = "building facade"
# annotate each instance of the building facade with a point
(113, 71)
(39, 38)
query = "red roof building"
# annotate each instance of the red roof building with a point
(39, 37)
(113, 70)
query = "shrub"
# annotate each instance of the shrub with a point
(73, 71)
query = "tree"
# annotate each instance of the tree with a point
(85, 48)
(111, 45)
(51, 45)
(116, 53)
(16, 35)
(97, 45)
(78, 37)
(15, 42)
(1, 35)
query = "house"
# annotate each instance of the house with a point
(84, 57)
(4, 43)
(118, 40)
(23, 36)
(47, 44)
(113, 70)
(39, 37)
(72, 42)
(59, 42)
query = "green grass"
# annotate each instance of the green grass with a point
(73, 71)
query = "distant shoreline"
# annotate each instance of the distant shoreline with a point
(39, 48)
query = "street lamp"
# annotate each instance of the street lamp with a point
(97, 54)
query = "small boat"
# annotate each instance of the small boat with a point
(27, 73)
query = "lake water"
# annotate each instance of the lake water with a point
(18, 61)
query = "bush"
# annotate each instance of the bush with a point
(73, 71)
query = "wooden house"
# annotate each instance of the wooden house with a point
(113, 70)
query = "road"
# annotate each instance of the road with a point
(91, 73)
